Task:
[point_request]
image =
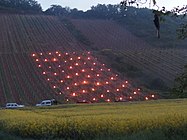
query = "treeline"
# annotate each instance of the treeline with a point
(20, 6)
(100, 11)
(180, 88)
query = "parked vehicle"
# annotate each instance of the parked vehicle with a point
(14, 105)
(45, 103)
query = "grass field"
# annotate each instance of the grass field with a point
(159, 119)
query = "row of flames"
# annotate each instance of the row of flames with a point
(81, 77)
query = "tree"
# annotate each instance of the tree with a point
(180, 88)
(175, 12)
(57, 10)
(21, 5)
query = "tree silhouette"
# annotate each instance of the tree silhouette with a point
(23, 5)
(57, 10)
(175, 12)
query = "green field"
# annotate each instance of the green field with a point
(160, 119)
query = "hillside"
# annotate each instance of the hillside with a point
(41, 59)
(44, 57)
(20, 36)
(161, 65)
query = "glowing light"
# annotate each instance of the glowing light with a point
(56, 52)
(61, 81)
(108, 100)
(88, 52)
(66, 53)
(83, 91)
(130, 97)
(84, 82)
(92, 69)
(71, 59)
(49, 67)
(152, 95)
(37, 60)
(93, 89)
(54, 86)
(94, 63)
(59, 54)
(54, 59)
(60, 93)
(76, 74)
(139, 89)
(101, 69)
(83, 70)
(88, 76)
(93, 99)
(49, 53)
(116, 75)
(117, 89)
(67, 100)
(68, 76)
(41, 54)
(74, 94)
(62, 70)
(112, 78)
(79, 57)
(98, 75)
(33, 54)
(126, 82)
(108, 69)
(55, 73)
(45, 60)
(120, 98)
(75, 84)
(44, 72)
(103, 64)
(67, 88)
(84, 63)
(107, 83)
(59, 66)
(71, 67)
(39, 66)
(48, 79)
(88, 58)
(73, 52)
(97, 83)
(76, 64)
(65, 61)
(108, 91)
(123, 85)
(102, 95)
(146, 98)
(135, 93)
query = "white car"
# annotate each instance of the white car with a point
(14, 105)
(45, 103)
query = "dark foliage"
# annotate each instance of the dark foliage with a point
(57, 10)
(20, 5)
(180, 89)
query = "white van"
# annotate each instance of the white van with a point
(13, 105)
(45, 103)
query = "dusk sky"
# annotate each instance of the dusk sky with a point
(86, 4)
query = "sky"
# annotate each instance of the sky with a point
(86, 4)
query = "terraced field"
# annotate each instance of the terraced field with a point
(28, 79)
(32, 70)
(156, 62)
(20, 36)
